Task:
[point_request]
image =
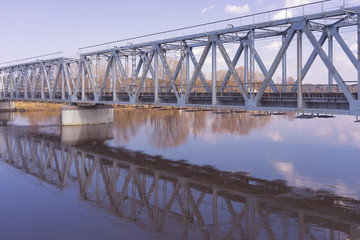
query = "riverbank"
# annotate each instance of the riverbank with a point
(37, 106)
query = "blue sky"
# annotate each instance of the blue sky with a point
(36, 27)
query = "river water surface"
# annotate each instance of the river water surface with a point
(180, 174)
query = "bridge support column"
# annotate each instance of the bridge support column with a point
(7, 106)
(85, 115)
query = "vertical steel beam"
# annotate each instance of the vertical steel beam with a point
(331, 57)
(82, 67)
(143, 64)
(156, 79)
(34, 80)
(18, 82)
(163, 73)
(246, 68)
(299, 69)
(213, 92)
(187, 70)
(97, 76)
(42, 76)
(310, 60)
(127, 66)
(284, 80)
(11, 83)
(133, 67)
(252, 62)
(62, 69)
(49, 80)
(26, 83)
(182, 72)
(113, 78)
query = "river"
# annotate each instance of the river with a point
(180, 174)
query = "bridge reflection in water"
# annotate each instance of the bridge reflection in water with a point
(200, 201)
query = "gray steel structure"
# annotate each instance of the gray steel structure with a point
(149, 79)
(202, 202)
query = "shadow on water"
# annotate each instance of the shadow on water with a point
(191, 201)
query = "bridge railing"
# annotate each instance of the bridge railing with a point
(32, 59)
(267, 16)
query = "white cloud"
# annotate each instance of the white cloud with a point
(294, 179)
(198, 51)
(353, 47)
(207, 9)
(237, 9)
(274, 45)
(274, 136)
(260, 1)
(290, 12)
(285, 167)
(282, 14)
(291, 3)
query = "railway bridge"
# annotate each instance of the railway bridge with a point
(169, 68)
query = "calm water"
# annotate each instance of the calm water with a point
(161, 174)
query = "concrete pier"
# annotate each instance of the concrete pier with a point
(7, 106)
(72, 115)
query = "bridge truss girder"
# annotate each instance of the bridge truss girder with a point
(41, 80)
(160, 71)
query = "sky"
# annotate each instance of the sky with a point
(37, 27)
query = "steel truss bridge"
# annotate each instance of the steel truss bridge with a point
(143, 73)
(158, 194)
